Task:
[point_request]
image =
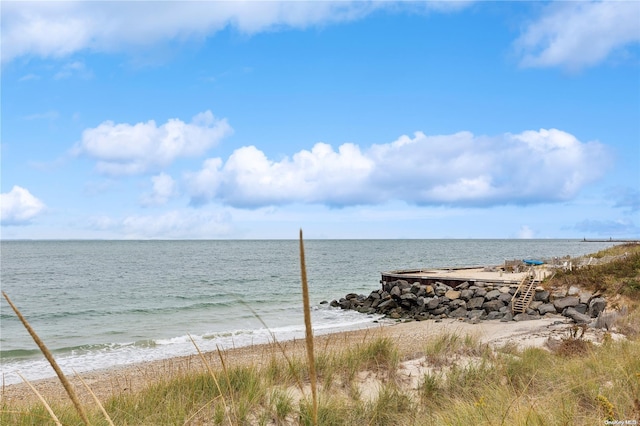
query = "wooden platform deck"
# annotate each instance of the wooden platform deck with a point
(455, 276)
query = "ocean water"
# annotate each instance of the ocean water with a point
(100, 304)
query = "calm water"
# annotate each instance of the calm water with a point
(98, 304)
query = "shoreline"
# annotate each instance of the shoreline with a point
(410, 338)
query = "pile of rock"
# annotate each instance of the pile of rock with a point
(474, 302)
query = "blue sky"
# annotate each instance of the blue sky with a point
(347, 119)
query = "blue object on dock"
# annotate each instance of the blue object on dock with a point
(533, 262)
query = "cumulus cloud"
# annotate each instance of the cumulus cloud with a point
(164, 188)
(575, 35)
(453, 170)
(250, 179)
(19, 206)
(125, 149)
(59, 29)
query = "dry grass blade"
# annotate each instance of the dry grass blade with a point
(193, 416)
(51, 413)
(213, 376)
(47, 354)
(226, 374)
(276, 341)
(308, 331)
(95, 398)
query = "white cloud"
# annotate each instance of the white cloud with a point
(125, 149)
(18, 206)
(59, 29)
(164, 188)
(453, 170)
(575, 35)
(250, 179)
(191, 224)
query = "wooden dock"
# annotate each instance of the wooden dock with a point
(453, 277)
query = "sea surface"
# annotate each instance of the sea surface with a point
(100, 304)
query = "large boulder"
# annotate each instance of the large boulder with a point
(565, 302)
(395, 291)
(581, 307)
(525, 317)
(596, 306)
(507, 317)
(577, 316)
(475, 303)
(460, 312)
(546, 308)
(387, 305)
(495, 315)
(535, 305)
(493, 294)
(432, 303)
(458, 303)
(542, 296)
(400, 283)
(441, 289)
(410, 297)
(374, 295)
(439, 311)
(452, 295)
(465, 285)
(505, 297)
(492, 305)
(476, 313)
(344, 303)
(480, 292)
(466, 295)
(416, 287)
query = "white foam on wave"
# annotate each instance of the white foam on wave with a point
(325, 320)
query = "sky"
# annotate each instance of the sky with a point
(348, 119)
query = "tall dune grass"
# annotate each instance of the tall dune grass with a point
(531, 386)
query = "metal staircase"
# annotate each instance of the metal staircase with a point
(525, 292)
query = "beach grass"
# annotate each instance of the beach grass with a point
(529, 386)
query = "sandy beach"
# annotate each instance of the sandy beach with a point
(410, 337)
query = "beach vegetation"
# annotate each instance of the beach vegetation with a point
(620, 276)
(518, 386)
